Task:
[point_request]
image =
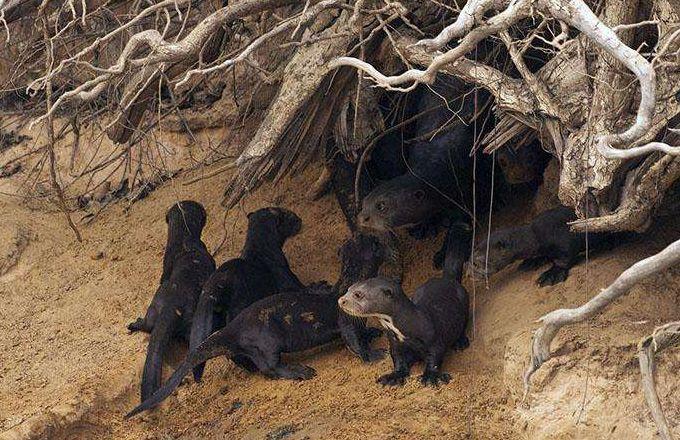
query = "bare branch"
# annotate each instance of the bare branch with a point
(161, 50)
(557, 319)
(579, 15)
(304, 18)
(471, 14)
(495, 24)
(662, 338)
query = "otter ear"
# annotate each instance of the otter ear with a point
(419, 194)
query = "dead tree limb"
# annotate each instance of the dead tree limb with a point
(557, 319)
(663, 337)
(161, 51)
(50, 138)
(574, 189)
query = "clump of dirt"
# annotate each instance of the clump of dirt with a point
(70, 370)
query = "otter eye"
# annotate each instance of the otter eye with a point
(419, 194)
(387, 293)
(380, 206)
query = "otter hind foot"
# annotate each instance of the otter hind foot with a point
(435, 378)
(393, 379)
(292, 372)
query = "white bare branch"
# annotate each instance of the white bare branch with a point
(557, 319)
(471, 14)
(40, 82)
(302, 20)
(579, 15)
(662, 338)
(161, 50)
(515, 11)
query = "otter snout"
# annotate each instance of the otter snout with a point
(371, 222)
(351, 302)
(364, 219)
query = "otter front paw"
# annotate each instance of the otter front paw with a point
(394, 379)
(373, 356)
(434, 378)
(553, 276)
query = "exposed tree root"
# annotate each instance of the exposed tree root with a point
(555, 320)
(662, 338)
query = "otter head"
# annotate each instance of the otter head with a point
(361, 258)
(279, 221)
(504, 247)
(401, 202)
(378, 297)
(189, 215)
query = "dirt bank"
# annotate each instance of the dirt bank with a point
(69, 369)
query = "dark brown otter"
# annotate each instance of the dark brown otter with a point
(422, 329)
(187, 264)
(283, 323)
(440, 175)
(547, 238)
(426, 327)
(261, 270)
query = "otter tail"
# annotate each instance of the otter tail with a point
(201, 327)
(215, 345)
(164, 327)
(457, 250)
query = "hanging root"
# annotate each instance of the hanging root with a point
(662, 338)
(555, 320)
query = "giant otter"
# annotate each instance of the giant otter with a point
(187, 264)
(440, 177)
(261, 270)
(423, 328)
(546, 238)
(283, 323)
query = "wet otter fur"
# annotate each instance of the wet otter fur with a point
(283, 323)
(423, 328)
(547, 238)
(187, 264)
(261, 270)
(440, 172)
